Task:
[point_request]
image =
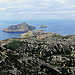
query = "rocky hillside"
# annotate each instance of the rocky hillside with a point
(31, 34)
(37, 34)
(23, 27)
(52, 55)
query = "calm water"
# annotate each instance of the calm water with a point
(63, 27)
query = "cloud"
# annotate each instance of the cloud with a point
(5, 8)
(45, 4)
(4, 1)
(15, 7)
(70, 6)
(53, 12)
(73, 14)
(20, 12)
(25, 1)
(61, 1)
(35, 8)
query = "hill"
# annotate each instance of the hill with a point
(23, 27)
(50, 55)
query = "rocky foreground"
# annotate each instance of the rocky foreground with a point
(23, 27)
(53, 54)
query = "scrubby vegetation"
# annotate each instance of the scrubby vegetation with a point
(52, 55)
(14, 45)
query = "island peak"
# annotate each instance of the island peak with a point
(22, 27)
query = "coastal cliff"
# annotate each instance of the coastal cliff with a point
(23, 27)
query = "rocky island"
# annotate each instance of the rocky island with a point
(43, 26)
(23, 27)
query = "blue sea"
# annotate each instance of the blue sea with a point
(62, 27)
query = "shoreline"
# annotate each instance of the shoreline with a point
(20, 33)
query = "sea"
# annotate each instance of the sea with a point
(62, 27)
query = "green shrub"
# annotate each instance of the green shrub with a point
(14, 45)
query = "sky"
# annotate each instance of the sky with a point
(37, 9)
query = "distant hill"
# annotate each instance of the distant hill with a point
(23, 27)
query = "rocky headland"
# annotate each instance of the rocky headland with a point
(23, 27)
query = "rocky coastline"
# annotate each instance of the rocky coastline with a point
(37, 53)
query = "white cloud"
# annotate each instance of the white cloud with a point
(61, 1)
(2, 9)
(20, 12)
(14, 7)
(4, 1)
(52, 12)
(24, 1)
(46, 4)
(70, 6)
(73, 14)
(18, 1)
(36, 7)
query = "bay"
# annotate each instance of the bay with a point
(62, 27)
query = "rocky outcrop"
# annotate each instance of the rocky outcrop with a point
(52, 55)
(37, 34)
(42, 26)
(20, 63)
(23, 27)
(31, 34)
